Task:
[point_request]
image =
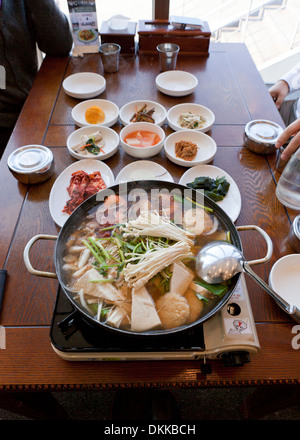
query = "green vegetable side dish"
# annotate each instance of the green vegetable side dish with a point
(91, 147)
(215, 189)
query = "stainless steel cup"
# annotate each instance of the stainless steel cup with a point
(167, 56)
(110, 53)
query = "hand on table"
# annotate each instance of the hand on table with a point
(278, 92)
(292, 130)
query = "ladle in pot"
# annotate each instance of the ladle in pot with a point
(219, 261)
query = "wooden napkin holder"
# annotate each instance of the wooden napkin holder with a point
(125, 38)
(191, 41)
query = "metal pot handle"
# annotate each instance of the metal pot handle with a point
(267, 240)
(26, 258)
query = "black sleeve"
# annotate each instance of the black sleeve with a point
(51, 27)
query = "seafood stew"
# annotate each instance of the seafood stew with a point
(128, 262)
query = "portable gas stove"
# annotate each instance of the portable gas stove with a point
(229, 335)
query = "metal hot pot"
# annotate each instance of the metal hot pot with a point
(78, 215)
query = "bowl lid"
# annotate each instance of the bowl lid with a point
(30, 159)
(265, 132)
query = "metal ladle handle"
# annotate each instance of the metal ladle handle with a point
(286, 307)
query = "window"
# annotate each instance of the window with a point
(269, 28)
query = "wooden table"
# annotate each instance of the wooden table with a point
(230, 85)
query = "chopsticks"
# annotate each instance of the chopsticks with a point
(3, 275)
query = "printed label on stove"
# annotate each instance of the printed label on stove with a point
(238, 294)
(240, 326)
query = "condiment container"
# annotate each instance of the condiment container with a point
(31, 164)
(260, 136)
(294, 235)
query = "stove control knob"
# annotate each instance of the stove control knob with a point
(235, 358)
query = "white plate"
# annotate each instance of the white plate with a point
(127, 111)
(84, 85)
(174, 113)
(59, 194)
(176, 83)
(206, 151)
(144, 170)
(284, 278)
(111, 142)
(232, 202)
(110, 109)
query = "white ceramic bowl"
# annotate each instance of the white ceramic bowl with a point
(176, 83)
(142, 152)
(84, 85)
(110, 109)
(110, 138)
(207, 147)
(196, 109)
(128, 110)
(284, 278)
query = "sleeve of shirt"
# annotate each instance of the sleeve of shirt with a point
(292, 78)
(51, 27)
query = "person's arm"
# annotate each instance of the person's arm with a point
(292, 78)
(291, 130)
(286, 84)
(51, 27)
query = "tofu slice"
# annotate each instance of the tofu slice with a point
(105, 291)
(181, 278)
(143, 312)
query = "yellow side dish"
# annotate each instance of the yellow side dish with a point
(94, 115)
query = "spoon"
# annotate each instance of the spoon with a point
(219, 261)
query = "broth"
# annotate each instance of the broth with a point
(142, 139)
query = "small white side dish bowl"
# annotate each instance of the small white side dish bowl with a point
(196, 109)
(176, 83)
(84, 85)
(110, 139)
(142, 152)
(128, 110)
(207, 147)
(284, 278)
(110, 109)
